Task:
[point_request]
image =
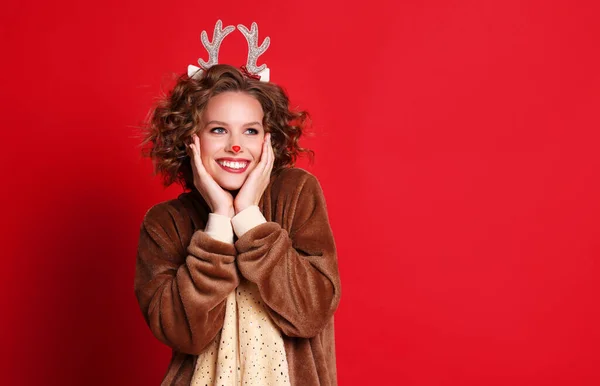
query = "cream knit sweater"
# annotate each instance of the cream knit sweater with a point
(249, 348)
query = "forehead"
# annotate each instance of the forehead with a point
(233, 107)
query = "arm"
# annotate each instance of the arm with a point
(181, 289)
(296, 272)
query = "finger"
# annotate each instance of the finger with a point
(192, 154)
(199, 150)
(197, 143)
(198, 156)
(190, 147)
(190, 143)
(272, 154)
(266, 146)
(271, 157)
(267, 154)
(261, 162)
(264, 158)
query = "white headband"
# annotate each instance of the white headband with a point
(254, 51)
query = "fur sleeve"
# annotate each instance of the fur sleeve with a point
(296, 270)
(182, 286)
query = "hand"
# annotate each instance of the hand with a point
(218, 199)
(256, 183)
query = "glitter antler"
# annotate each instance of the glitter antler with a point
(254, 51)
(213, 48)
(213, 51)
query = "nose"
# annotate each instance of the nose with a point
(235, 144)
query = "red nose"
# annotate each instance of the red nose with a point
(236, 148)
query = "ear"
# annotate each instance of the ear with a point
(194, 72)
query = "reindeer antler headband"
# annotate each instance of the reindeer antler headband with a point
(261, 72)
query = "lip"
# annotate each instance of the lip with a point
(235, 171)
(232, 159)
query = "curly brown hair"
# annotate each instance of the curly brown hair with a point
(177, 116)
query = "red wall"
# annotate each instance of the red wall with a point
(457, 145)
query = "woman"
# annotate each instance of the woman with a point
(239, 275)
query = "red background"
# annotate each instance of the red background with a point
(457, 145)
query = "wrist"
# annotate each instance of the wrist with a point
(226, 211)
(241, 207)
(247, 219)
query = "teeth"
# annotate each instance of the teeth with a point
(233, 165)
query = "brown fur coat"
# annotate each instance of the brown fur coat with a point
(183, 276)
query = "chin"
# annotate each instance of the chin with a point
(231, 184)
(231, 181)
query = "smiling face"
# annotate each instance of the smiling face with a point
(231, 137)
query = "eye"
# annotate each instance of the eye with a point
(252, 131)
(218, 130)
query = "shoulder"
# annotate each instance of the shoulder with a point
(294, 173)
(180, 216)
(165, 213)
(169, 225)
(294, 180)
(298, 196)
(297, 188)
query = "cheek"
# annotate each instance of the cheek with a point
(255, 149)
(205, 161)
(208, 149)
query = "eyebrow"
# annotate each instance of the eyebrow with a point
(225, 124)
